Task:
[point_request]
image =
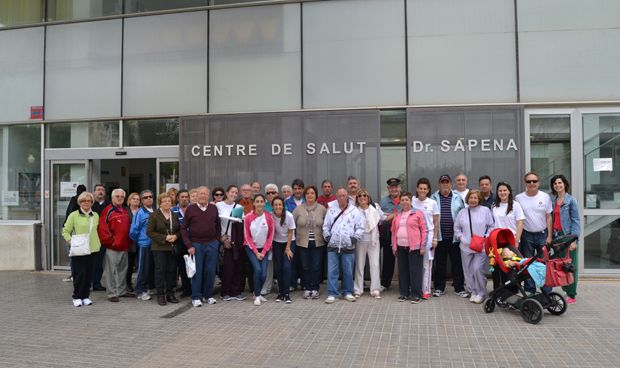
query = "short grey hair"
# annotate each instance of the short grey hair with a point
(119, 190)
(285, 186)
(271, 186)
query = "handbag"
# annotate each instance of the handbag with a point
(477, 243)
(80, 243)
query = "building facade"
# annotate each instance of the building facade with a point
(151, 94)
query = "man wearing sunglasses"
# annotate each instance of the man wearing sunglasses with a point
(538, 224)
(137, 232)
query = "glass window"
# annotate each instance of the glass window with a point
(137, 6)
(82, 9)
(601, 148)
(569, 55)
(168, 176)
(393, 148)
(83, 70)
(461, 51)
(163, 132)
(354, 53)
(18, 12)
(20, 172)
(21, 73)
(165, 64)
(81, 135)
(602, 242)
(550, 147)
(255, 59)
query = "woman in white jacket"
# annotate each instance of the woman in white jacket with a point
(368, 245)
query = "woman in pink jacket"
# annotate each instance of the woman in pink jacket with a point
(408, 236)
(258, 235)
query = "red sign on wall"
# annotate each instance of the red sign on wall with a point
(36, 112)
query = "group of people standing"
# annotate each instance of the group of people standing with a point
(299, 237)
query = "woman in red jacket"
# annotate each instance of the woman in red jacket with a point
(408, 238)
(258, 234)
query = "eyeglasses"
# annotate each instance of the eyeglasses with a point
(272, 193)
(147, 197)
(218, 194)
(531, 181)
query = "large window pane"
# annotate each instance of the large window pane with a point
(165, 64)
(255, 59)
(393, 149)
(82, 9)
(78, 135)
(83, 70)
(20, 172)
(569, 50)
(18, 12)
(354, 53)
(163, 132)
(602, 242)
(601, 148)
(550, 147)
(137, 6)
(461, 51)
(21, 73)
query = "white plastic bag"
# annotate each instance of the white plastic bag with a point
(80, 245)
(190, 265)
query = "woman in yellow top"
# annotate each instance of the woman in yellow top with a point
(80, 222)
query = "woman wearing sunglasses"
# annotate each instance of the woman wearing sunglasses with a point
(368, 245)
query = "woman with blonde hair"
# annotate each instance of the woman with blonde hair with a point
(368, 245)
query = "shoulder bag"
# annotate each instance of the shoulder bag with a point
(477, 243)
(80, 243)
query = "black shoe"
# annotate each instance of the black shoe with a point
(402, 298)
(185, 294)
(415, 300)
(172, 299)
(287, 299)
(161, 300)
(130, 288)
(279, 298)
(98, 288)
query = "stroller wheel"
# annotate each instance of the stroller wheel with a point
(532, 311)
(489, 305)
(558, 304)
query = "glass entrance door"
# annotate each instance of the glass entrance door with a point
(167, 174)
(66, 176)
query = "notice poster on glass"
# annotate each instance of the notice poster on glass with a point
(603, 164)
(10, 198)
(172, 185)
(68, 188)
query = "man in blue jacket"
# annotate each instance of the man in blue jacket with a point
(137, 233)
(450, 203)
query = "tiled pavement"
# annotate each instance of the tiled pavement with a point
(39, 327)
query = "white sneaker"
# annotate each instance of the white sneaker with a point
(375, 294)
(87, 301)
(382, 288)
(350, 298)
(307, 294)
(196, 303)
(472, 298)
(211, 301)
(478, 299)
(330, 299)
(257, 301)
(77, 302)
(144, 296)
(262, 299)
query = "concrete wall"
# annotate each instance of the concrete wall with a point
(20, 246)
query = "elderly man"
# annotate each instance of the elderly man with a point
(343, 227)
(100, 203)
(538, 224)
(461, 185)
(113, 231)
(390, 206)
(203, 242)
(450, 203)
(137, 232)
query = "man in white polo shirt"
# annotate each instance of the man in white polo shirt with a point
(537, 227)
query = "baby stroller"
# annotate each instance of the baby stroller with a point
(511, 294)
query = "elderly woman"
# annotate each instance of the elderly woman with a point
(566, 220)
(163, 228)
(473, 220)
(271, 192)
(368, 245)
(83, 221)
(309, 217)
(409, 246)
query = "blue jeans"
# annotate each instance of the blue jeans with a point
(260, 269)
(531, 246)
(206, 257)
(310, 265)
(283, 267)
(336, 260)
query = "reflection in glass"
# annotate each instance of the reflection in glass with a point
(602, 242)
(82, 9)
(160, 132)
(550, 147)
(20, 172)
(601, 148)
(138, 6)
(18, 12)
(80, 135)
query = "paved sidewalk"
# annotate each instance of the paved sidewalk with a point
(41, 328)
